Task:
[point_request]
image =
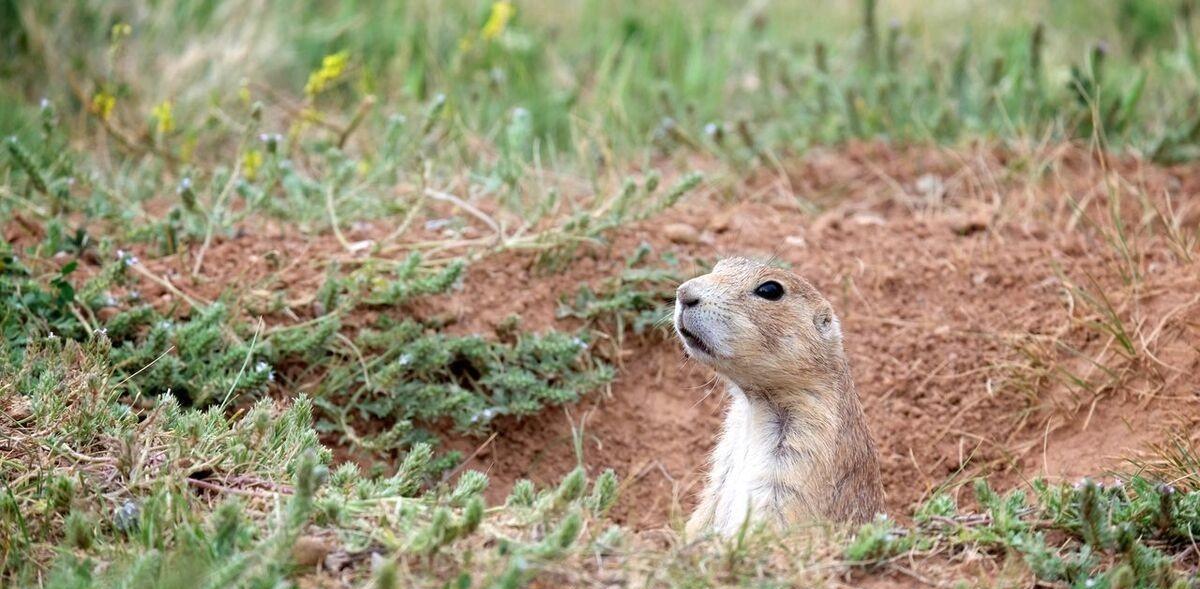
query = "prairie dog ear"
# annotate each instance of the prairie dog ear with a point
(827, 324)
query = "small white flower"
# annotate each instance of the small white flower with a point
(101, 331)
(261, 366)
(127, 515)
(485, 415)
(165, 325)
(405, 359)
(184, 184)
(53, 336)
(711, 129)
(45, 104)
(579, 343)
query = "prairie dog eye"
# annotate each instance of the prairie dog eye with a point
(770, 290)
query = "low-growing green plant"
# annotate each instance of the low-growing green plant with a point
(195, 360)
(403, 373)
(1116, 536)
(190, 496)
(34, 308)
(415, 377)
(637, 301)
(122, 486)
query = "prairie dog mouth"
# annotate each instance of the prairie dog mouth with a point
(693, 342)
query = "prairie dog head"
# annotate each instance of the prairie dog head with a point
(762, 327)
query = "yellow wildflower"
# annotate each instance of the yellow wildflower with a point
(466, 43)
(120, 31)
(164, 116)
(188, 150)
(103, 104)
(252, 160)
(310, 115)
(332, 68)
(497, 21)
(244, 94)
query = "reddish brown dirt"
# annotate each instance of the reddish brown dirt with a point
(951, 273)
(937, 302)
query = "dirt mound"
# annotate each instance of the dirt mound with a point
(964, 298)
(997, 316)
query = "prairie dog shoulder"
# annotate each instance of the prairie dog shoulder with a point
(795, 446)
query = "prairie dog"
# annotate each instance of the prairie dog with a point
(795, 446)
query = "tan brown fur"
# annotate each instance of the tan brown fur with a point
(795, 445)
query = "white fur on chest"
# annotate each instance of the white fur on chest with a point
(749, 476)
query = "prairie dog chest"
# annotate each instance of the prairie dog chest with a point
(762, 466)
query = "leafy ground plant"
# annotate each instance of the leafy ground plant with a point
(186, 496)
(636, 301)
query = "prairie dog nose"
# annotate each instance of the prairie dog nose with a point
(687, 296)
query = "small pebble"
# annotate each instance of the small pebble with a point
(868, 219)
(309, 551)
(795, 241)
(681, 233)
(720, 222)
(964, 224)
(18, 408)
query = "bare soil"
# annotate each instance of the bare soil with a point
(967, 282)
(963, 338)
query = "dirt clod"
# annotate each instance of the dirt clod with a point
(310, 551)
(17, 409)
(681, 233)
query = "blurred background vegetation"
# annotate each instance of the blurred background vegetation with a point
(615, 76)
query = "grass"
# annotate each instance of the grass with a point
(181, 497)
(178, 440)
